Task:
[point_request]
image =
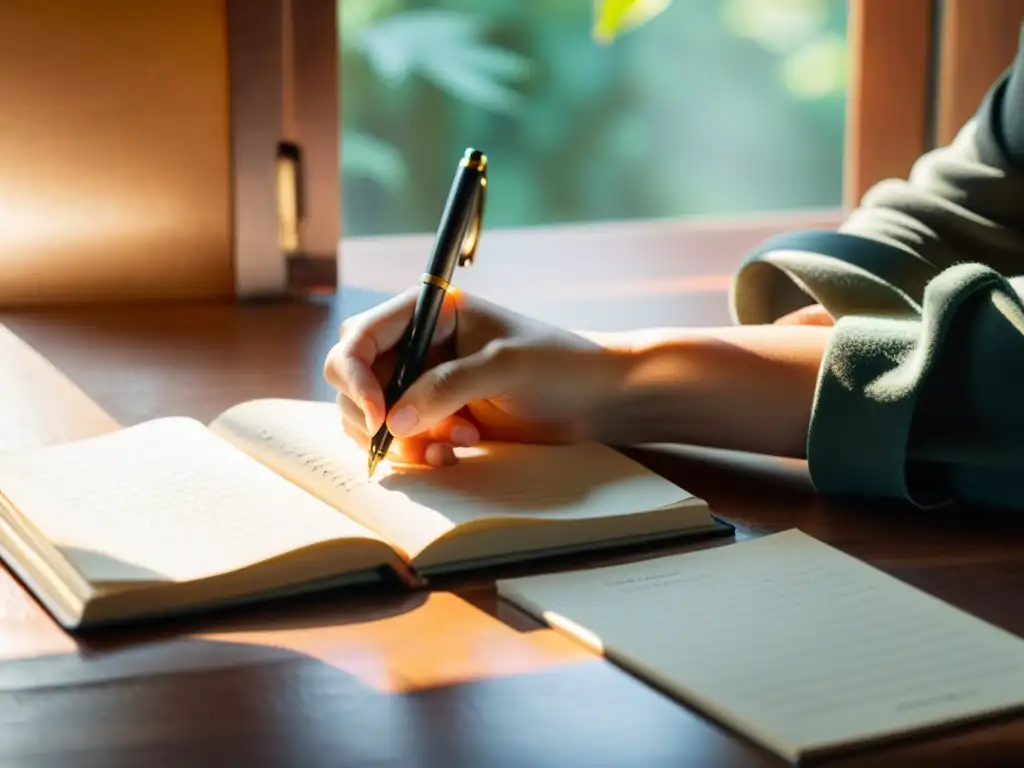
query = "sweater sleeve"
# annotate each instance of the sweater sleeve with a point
(919, 394)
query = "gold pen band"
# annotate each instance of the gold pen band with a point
(444, 285)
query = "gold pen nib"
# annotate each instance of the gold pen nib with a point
(372, 464)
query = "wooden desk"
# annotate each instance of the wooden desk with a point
(449, 679)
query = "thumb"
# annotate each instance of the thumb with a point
(445, 389)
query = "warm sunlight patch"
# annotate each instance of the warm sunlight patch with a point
(440, 641)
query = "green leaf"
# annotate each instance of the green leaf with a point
(817, 70)
(475, 74)
(446, 48)
(366, 156)
(613, 18)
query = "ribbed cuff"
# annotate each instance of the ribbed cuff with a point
(857, 444)
(869, 389)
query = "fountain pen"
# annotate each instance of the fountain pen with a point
(457, 236)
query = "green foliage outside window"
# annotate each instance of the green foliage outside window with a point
(715, 107)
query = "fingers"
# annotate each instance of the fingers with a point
(413, 451)
(456, 429)
(362, 390)
(381, 328)
(447, 388)
(814, 314)
(364, 338)
(434, 448)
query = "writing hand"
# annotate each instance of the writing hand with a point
(492, 374)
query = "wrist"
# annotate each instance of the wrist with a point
(746, 389)
(613, 341)
(651, 376)
(628, 408)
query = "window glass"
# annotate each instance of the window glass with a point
(713, 108)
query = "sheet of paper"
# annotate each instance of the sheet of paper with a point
(788, 640)
(413, 506)
(163, 501)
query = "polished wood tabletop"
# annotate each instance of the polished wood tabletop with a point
(447, 678)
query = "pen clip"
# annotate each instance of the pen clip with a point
(471, 238)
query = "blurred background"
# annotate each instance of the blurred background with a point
(713, 108)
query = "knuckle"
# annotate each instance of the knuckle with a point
(496, 349)
(444, 381)
(349, 328)
(504, 354)
(331, 365)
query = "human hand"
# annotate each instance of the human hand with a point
(492, 374)
(815, 314)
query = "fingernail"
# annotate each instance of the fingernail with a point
(465, 436)
(403, 421)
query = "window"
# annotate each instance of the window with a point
(714, 108)
(747, 112)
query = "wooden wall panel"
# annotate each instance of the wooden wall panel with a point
(890, 90)
(256, 38)
(115, 150)
(317, 109)
(979, 41)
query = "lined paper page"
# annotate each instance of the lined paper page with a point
(413, 506)
(791, 641)
(164, 501)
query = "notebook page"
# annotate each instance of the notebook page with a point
(413, 506)
(788, 640)
(164, 501)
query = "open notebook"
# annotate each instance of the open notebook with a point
(793, 643)
(272, 498)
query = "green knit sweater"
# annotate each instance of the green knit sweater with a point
(921, 393)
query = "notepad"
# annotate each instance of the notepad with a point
(272, 498)
(792, 643)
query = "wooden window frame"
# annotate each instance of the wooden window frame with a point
(918, 70)
(979, 40)
(889, 125)
(283, 63)
(888, 119)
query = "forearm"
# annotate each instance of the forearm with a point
(746, 388)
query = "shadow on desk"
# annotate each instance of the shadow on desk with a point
(248, 704)
(369, 689)
(428, 681)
